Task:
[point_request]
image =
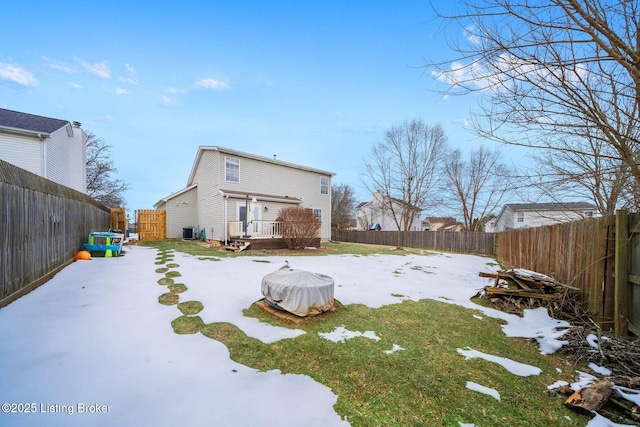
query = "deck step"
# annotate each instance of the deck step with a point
(237, 245)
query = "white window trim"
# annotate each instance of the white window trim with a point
(322, 178)
(519, 215)
(227, 158)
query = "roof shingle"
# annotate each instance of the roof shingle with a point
(30, 122)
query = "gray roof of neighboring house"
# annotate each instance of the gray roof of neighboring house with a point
(568, 206)
(30, 122)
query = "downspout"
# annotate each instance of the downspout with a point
(44, 155)
(226, 223)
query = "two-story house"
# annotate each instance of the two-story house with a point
(521, 215)
(377, 212)
(234, 194)
(51, 148)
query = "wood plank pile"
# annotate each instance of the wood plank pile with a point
(519, 282)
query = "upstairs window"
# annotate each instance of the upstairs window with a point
(520, 217)
(588, 214)
(324, 185)
(231, 169)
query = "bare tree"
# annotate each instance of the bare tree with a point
(600, 176)
(101, 185)
(478, 186)
(406, 169)
(554, 72)
(343, 203)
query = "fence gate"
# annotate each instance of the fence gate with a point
(118, 219)
(152, 225)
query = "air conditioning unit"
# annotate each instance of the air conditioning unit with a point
(189, 233)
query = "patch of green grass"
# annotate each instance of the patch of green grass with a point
(162, 270)
(327, 248)
(187, 325)
(173, 274)
(425, 384)
(262, 260)
(165, 281)
(173, 265)
(177, 288)
(168, 299)
(190, 307)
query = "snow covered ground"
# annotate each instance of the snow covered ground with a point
(94, 347)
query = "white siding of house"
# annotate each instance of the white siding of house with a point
(22, 151)
(256, 176)
(78, 160)
(373, 212)
(58, 157)
(275, 179)
(508, 219)
(182, 209)
(210, 215)
(65, 156)
(540, 218)
(505, 220)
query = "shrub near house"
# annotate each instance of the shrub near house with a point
(299, 227)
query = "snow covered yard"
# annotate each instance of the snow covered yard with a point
(94, 347)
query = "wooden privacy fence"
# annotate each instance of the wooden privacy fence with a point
(600, 256)
(119, 219)
(152, 224)
(459, 242)
(42, 226)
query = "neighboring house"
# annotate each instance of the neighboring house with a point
(538, 214)
(51, 148)
(377, 211)
(439, 223)
(225, 185)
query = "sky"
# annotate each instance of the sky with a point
(95, 334)
(314, 83)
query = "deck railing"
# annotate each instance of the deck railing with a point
(257, 229)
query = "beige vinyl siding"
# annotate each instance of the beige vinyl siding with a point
(281, 180)
(22, 151)
(210, 202)
(183, 211)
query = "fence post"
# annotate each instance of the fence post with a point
(621, 294)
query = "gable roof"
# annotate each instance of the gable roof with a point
(229, 151)
(30, 123)
(568, 206)
(176, 194)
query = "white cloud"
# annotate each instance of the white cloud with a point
(59, 65)
(211, 84)
(120, 91)
(175, 90)
(168, 102)
(76, 86)
(16, 74)
(133, 75)
(100, 69)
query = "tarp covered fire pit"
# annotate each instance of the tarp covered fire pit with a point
(297, 291)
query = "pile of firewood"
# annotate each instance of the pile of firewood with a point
(515, 290)
(518, 282)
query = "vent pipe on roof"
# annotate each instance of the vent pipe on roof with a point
(274, 157)
(77, 124)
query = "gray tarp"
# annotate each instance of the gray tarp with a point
(299, 292)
